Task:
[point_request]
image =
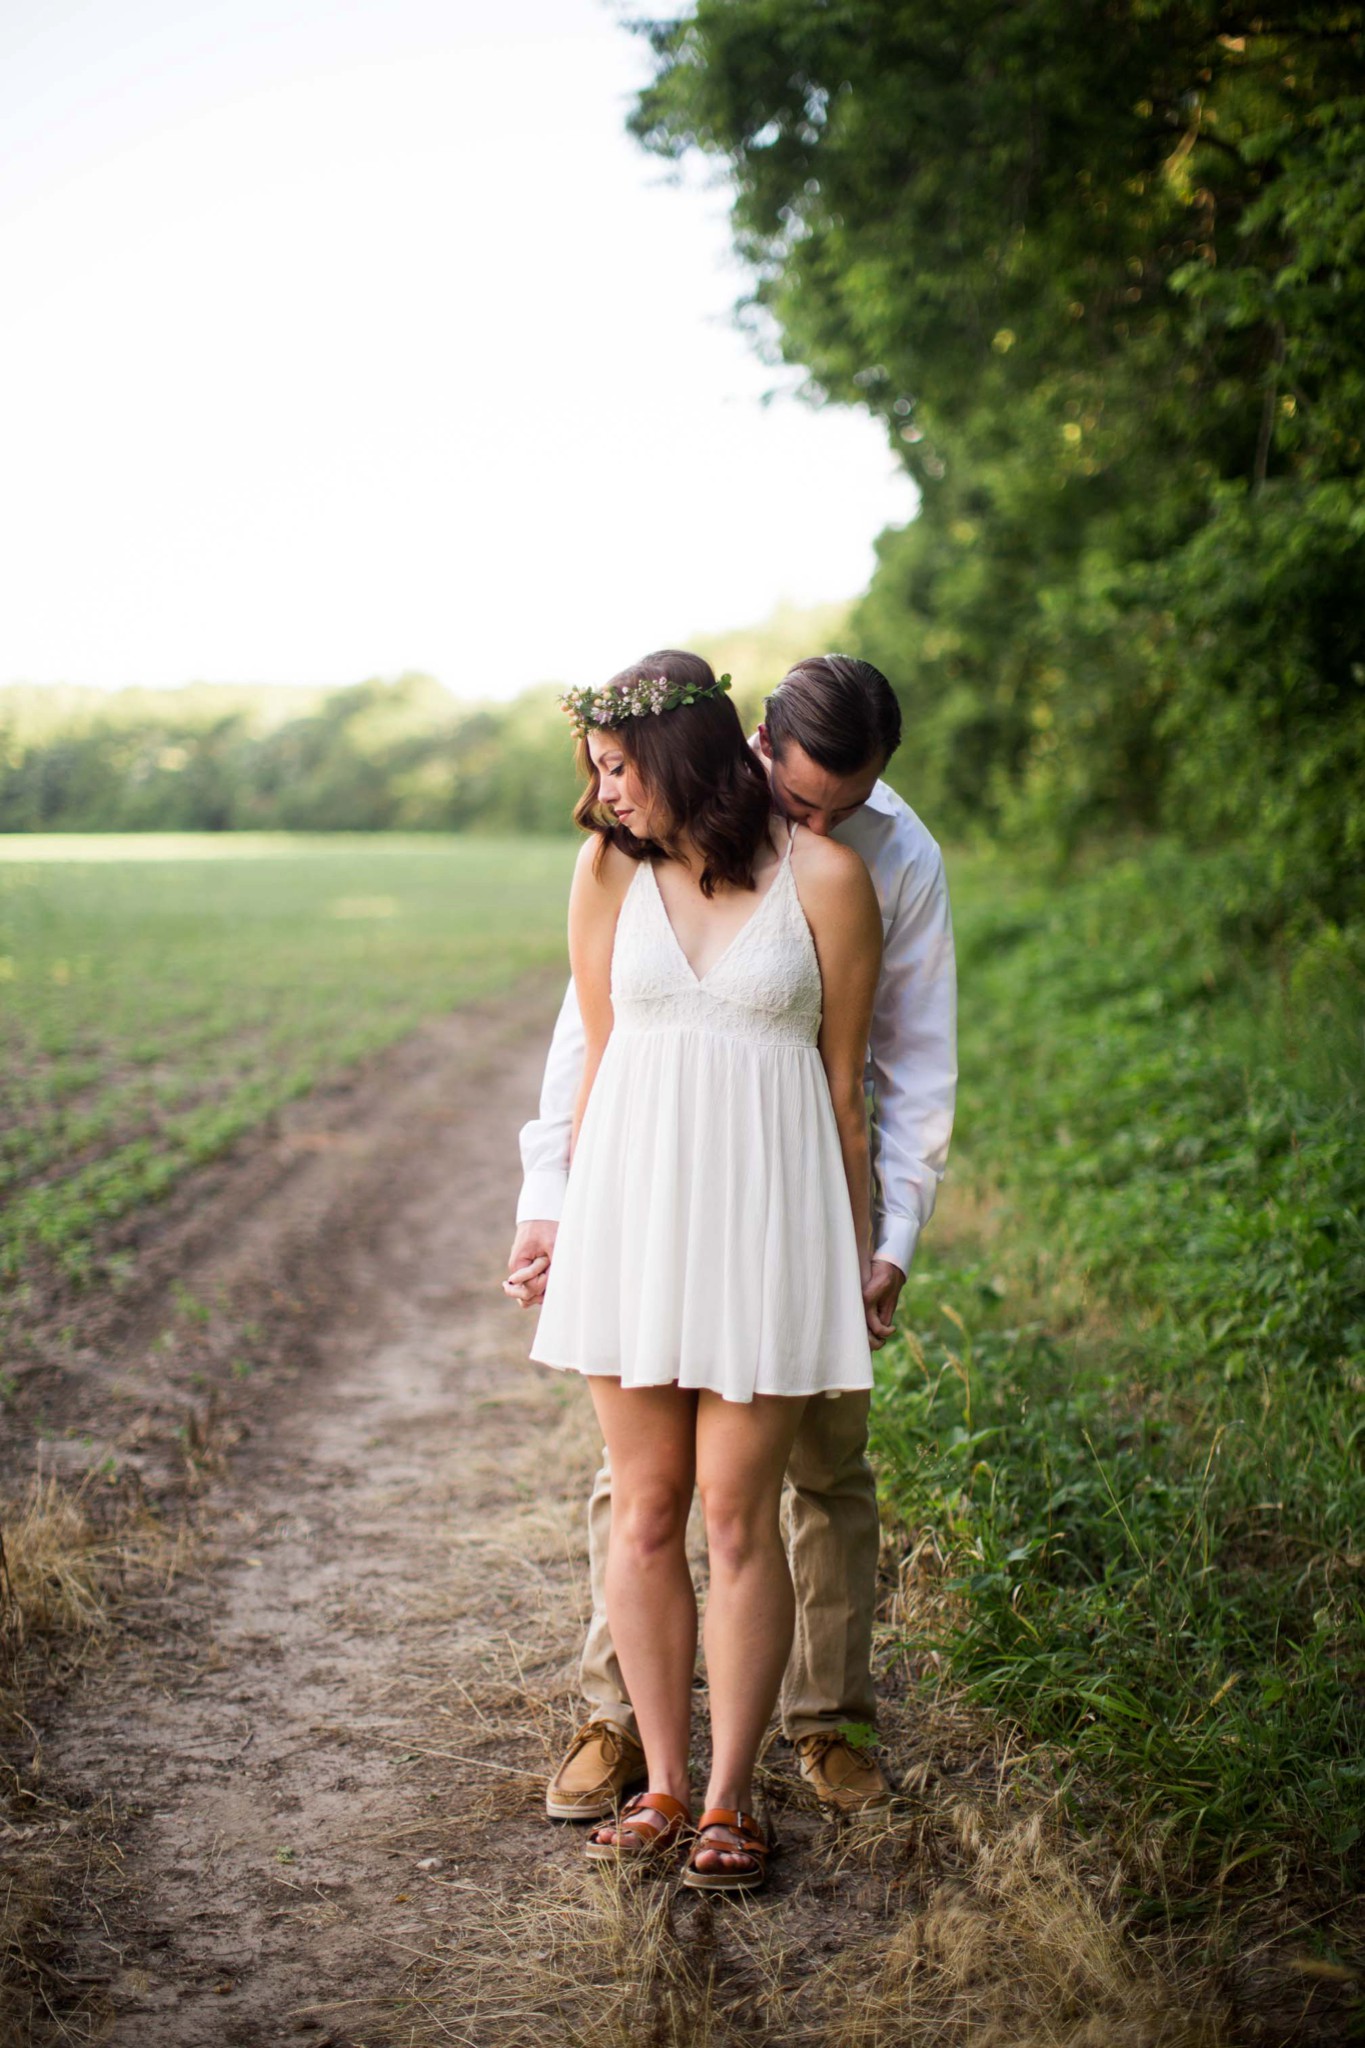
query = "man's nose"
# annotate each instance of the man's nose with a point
(821, 823)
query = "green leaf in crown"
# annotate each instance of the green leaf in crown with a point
(593, 710)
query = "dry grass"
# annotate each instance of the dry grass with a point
(51, 1579)
(50, 1855)
(1014, 1949)
(974, 1917)
(1020, 1947)
(52, 1606)
(58, 1576)
(972, 1914)
(605, 1963)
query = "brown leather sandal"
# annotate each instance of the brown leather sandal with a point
(638, 1821)
(750, 1841)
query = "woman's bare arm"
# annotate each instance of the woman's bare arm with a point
(841, 909)
(594, 906)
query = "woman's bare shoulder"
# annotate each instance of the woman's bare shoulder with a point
(820, 854)
(836, 890)
(603, 871)
(827, 864)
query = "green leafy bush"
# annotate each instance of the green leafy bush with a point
(1134, 1415)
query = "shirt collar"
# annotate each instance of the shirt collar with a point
(882, 798)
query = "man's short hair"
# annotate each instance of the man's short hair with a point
(841, 711)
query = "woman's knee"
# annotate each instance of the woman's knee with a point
(650, 1519)
(739, 1526)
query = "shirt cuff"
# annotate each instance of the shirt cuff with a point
(895, 1240)
(542, 1195)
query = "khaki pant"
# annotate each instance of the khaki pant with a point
(829, 1519)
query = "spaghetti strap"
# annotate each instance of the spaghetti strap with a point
(791, 838)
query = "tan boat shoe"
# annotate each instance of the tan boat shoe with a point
(600, 1766)
(841, 1775)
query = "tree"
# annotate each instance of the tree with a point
(1099, 272)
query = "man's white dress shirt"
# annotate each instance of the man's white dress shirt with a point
(912, 1050)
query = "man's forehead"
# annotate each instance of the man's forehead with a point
(808, 783)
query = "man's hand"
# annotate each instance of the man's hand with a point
(528, 1264)
(881, 1292)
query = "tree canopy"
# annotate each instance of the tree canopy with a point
(1100, 269)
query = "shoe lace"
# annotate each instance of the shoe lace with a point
(815, 1748)
(612, 1741)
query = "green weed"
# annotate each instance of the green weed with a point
(1129, 1407)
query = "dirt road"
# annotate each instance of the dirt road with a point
(324, 1739)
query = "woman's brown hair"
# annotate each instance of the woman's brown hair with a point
(696, 763)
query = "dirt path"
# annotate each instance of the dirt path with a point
(381, 1553)
(326, 1741)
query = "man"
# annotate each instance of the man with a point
(829, 730)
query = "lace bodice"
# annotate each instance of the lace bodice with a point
(765, 985)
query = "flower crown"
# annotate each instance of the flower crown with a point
(592, 710)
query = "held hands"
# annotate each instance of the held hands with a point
(528, 1264)
(533, 1248)
(881, 1292)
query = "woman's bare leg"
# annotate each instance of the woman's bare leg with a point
(742, 1452)
(651, 1434)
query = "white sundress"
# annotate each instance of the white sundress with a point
(707, 1238)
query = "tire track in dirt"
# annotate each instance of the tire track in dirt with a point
(367, 1556)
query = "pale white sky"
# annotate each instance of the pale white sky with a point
(348, 336)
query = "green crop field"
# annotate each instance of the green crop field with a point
(159, 994)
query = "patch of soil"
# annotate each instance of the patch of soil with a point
(325, 1730)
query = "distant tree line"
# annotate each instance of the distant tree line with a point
(395, 755)
(1101, 272)
(381, 756)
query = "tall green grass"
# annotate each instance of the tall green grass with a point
(1130, 1400)
(161, 995)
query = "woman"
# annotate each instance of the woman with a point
(707, 1275)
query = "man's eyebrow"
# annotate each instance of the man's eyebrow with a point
(811, 805)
